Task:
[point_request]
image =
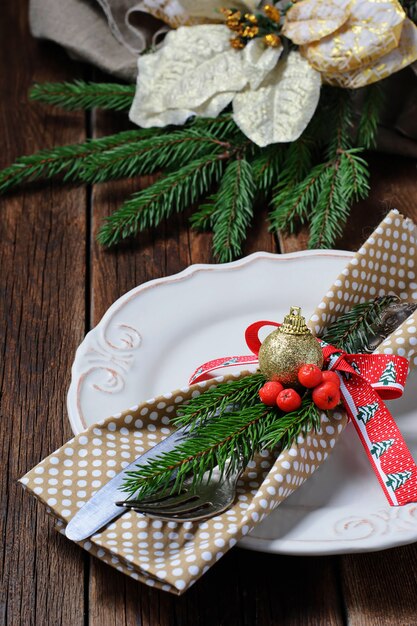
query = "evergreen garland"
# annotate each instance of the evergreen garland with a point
(209, 161)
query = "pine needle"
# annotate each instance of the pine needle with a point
(351, 330)
(216, 400)
(267, 166)
(172, 193)
(370, 112)
(223, 443)
(233, 210)
(83, 95)
(165, 150)
(67, 160)
(338, 184)
(292, 195)
(230, 441)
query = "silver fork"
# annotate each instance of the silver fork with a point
(214, 496)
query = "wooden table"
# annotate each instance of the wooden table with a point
(56, 283)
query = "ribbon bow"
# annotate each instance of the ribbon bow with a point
(365, 381)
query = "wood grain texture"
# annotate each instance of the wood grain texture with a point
(56, 283)
(42, 290)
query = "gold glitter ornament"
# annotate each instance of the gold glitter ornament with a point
(289, 347)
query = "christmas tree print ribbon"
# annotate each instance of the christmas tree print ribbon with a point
(365, 381)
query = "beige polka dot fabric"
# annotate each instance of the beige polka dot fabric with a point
(386, 264)
(168, 555)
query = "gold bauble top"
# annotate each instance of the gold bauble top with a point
(289, 347)
(294, 323)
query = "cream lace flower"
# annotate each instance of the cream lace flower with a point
(349, 43)
(197, 72)
(353, 43)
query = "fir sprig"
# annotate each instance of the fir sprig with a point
(285, 430)
(221, 443)
(373, 101)
(172, 193)
(151, 155)
(352, 329)
(233, 209)
(324, 196)
(213, 402)
(228, 442)
(68, 161)
(84, 95)
(314, 179)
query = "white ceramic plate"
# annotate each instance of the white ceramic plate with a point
(153, 337)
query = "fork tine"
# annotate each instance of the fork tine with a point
(170, 504)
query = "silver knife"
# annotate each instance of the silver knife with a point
(101, 508)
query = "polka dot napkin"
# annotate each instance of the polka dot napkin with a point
(386, 264)
(170, 555)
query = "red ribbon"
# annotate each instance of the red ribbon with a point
(365, 381)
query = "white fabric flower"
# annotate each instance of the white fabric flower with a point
(197, 72)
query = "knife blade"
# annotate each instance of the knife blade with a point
(101, 508)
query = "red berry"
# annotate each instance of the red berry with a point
(269, 392)
(331, 377)
(310, 375)
(288, 400)
(326, 396)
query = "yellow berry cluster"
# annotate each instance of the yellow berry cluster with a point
(250, 25)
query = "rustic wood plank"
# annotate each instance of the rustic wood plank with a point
(380, 588)
(42, 286)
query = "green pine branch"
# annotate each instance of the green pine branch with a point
(325, 194)
(224, 443)
(166, 150)
(370, 113)
(83, 95)
(228, 443)
(291, 192)
(212, 403)
(266, 166)
(341, 181)
(352, 330)
(285, 430)
(68, 161)
(233, 209)
(172, 193)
